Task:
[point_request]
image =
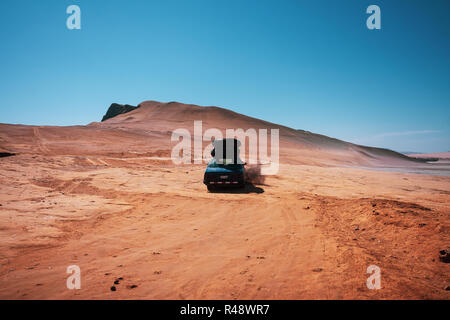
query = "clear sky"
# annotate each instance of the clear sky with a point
(310, 65)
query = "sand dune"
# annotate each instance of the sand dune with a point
(170, 116)
(149, 127)
(107, 198)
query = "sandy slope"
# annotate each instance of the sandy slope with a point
(147, 131)
(103, 197)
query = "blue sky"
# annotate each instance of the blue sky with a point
(310, 65)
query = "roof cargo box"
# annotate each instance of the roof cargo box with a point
(226, 151)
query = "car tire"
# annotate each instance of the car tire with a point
(210, 188)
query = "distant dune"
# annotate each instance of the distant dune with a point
(434, 155)
(126, 131)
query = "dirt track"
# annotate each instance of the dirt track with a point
(309, 232)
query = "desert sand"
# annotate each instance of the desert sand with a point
(107, 197)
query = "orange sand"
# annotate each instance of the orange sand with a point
(105, 198)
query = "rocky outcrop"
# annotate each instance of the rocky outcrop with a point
(115, 109)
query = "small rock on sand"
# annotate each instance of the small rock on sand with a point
(444, 255)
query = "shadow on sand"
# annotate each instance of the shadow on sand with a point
(248, 188)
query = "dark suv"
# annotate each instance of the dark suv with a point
(217, 175)
(225, 168)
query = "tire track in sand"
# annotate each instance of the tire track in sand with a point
(39, 141)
